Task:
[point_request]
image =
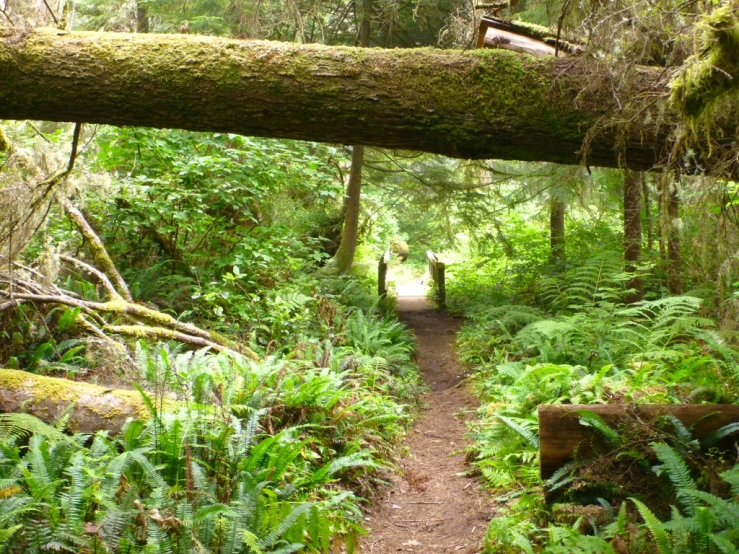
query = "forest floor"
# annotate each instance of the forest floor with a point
(431, 506)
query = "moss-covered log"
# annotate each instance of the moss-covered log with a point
(479, 104)
(95, 408)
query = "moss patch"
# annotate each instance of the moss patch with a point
(712, 73)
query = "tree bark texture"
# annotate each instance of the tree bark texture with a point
(557, 232)
(96, 408)
(478, 104)
(632, 231)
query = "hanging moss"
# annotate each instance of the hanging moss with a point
(712, 73)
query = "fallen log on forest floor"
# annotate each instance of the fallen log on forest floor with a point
(95, 408)
(561, 435)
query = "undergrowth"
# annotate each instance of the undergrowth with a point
(576, 342)
(262, 456)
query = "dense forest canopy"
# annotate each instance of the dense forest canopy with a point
(193, 353)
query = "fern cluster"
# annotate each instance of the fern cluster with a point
(262, 457)
(579, 344)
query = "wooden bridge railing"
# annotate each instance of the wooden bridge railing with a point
(437, 273)
(382, 274)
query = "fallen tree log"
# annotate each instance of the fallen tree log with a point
(561, 434)
(477, 104)
(95, 409)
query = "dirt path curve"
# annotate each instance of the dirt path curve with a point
(431, 507)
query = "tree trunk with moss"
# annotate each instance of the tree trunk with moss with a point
(95, 408)
(478, 104)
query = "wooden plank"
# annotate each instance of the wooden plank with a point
(560, 432)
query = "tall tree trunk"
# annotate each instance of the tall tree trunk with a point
(491, 104)
(632, 231)
(674, 280)
(661, 222)
(344, 257)
(557, 253)
(648, 220)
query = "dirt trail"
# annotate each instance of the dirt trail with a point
(431, 507)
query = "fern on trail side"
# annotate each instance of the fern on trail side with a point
(264, 457)
(577, 343)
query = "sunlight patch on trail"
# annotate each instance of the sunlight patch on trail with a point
(414, 288)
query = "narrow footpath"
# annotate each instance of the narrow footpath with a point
(431, 506)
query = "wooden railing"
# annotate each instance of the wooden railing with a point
(436, 272)
(382, 274)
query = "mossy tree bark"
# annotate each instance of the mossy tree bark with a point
(632, 231)
(96, 408)
(479, 104)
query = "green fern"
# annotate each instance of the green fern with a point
(655, 526)
(24, 425)
(679, 474)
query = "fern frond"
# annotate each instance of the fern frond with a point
(527, 434)
(593, 420)
(655, 526)
(678, 472)
(24, 425)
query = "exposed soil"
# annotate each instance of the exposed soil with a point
(431, 506)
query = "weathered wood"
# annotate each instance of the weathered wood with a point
(561, 434)
(520, 37)
(491, 35)
(437, 272)
(475, 104)
(382, 274)
(96, 408)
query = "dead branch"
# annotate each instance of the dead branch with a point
(99, 253)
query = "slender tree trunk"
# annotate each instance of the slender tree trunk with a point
(648, 219)
(661, 223)
(674, 280)
(632, 231)
(344, 257)
(557, 256)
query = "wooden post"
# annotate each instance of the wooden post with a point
(437, 272)
(441, 284)
(382, 274)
